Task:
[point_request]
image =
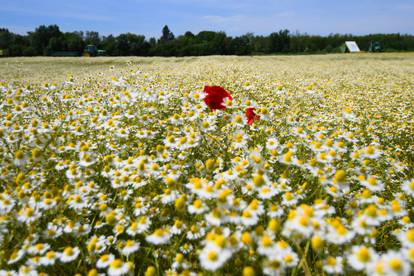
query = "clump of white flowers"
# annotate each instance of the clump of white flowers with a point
(150, 174)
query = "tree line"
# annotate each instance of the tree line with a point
(45, 40)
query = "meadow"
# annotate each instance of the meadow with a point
(264, 165)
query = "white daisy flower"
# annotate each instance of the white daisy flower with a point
(213, 259)
(333, 265)
(49, 258)
(408, 187)
(118, 267)
(129, 247)
(362, 257)
(38, 249)
(69, 254)
(159, 236)
(105, 260)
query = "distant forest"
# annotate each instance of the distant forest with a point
(46, 40)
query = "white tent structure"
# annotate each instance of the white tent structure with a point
(352, 47)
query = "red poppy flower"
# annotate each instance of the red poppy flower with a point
(251, 115)
(215, 97)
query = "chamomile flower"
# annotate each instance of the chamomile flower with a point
(25, 271)
(372, 183)
(28, 215)
(169, 196)
(372, 152)
(212, 259)
(406, 237)
(129, 247)
(337, 233)
(177, 228)
(49, 258)
(105, 260)
(195, 232)
(273, 144)
(248, 218)
(239, 140)
(38, 249)
(289, 199)
(266, 246)
(391, 263)
(333, 265)
(159, 236)
(362, 257)
(272, 267)
(118, 267)
(215, 217)
(69, 254)
(198, 207)
(16, 256)
(408, 187)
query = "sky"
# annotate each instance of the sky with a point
(235, 17)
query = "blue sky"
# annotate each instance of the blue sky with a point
(235, 17)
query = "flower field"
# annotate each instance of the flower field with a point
(218, 166)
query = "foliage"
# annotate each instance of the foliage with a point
(46, 39)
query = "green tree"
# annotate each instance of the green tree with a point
(41, 36)
(6, 38)
(73, 41)
(167, 35)
(92, 38)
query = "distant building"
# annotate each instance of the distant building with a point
(350, 47)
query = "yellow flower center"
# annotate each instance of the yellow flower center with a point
(363, 255)
(258, 180)
(410, 235)
(205, 124)
(372, 181)
(288, 156)
(266, 241)
(304, 221)
(50, 255)
(371, 211)
(129, 243)
(246, 238)
(395, 264)
(197, 204)
(159, 232)
(104, 258)
(39, 246)
(411, 254)
(288, 196)
(340, 176)
(331, 261)
(238, 119)
(116, 264)
(288, 258)
(68, 251)
(370, 150)
(220, 241)
(238, 137)
(341, 230)
(212, 255)
(246, 214)
(19, 154)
